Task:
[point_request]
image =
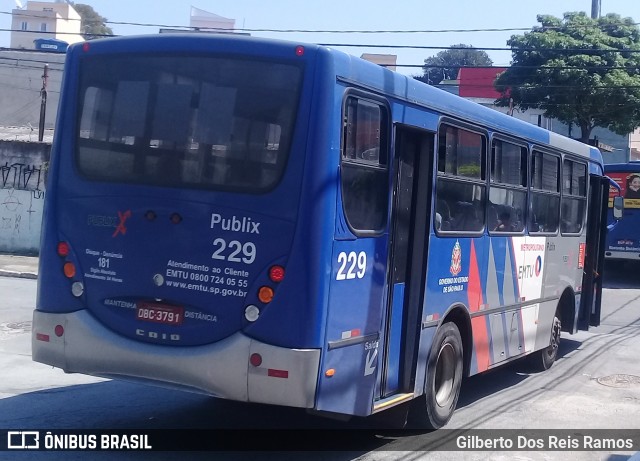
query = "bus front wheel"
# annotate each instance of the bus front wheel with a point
(444, 378)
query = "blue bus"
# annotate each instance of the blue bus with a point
(623, 241)
(286, 224)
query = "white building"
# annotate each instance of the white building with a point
(385, 60)
(46, 20)
(200, 19)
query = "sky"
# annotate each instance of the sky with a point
(360, 15)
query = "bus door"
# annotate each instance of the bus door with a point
(591, 299)
(409, 230)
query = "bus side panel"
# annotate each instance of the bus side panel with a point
(457, 271)
(356, 301)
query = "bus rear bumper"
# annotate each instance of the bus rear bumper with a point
(285, 377)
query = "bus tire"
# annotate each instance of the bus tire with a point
(444, 378)
(543, 359)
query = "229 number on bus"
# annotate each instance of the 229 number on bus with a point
(352, 265)
(234, 251)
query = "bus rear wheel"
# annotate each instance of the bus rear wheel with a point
(444, 378)
(545, 358)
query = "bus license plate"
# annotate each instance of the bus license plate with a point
(168, 315)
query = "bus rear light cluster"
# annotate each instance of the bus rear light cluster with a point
(265, 293)
(69, 269)
(276, 275)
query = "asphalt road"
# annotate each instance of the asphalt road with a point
(595, 384)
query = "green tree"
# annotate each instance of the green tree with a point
(578, 70)
(92, 24)
(446, 64)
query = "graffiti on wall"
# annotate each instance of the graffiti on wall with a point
(21, 202)
(20, 176)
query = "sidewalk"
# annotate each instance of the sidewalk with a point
(25, 267)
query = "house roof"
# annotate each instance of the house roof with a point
(478, 82)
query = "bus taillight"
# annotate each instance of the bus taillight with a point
(59, 330)
(69, 270)
(265, 294)
(63, 249)
(276, 274)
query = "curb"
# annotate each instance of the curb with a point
(19, 275)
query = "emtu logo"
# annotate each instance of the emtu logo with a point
(538, 267)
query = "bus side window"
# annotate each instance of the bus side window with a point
(574, 196)
(508, 191)
(545, 193)
(460, 186)
(364, 169)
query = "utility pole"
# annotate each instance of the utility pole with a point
(595, 9)
(43, 102)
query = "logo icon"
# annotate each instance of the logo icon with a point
(122, 229)
(456, 259)
(23, 440)
(538, 267)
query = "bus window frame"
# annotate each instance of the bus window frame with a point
(282, 163)
(585, 164)
(559, 155)
(385, 142)
(527, 164)
(484, 135)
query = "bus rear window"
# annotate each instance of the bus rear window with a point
(197, 121)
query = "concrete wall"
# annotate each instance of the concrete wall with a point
(23, 167)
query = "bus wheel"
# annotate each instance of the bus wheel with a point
(542, 360)
(444, 377)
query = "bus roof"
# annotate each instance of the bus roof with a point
(412, 90)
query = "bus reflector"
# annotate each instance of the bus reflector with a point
(251, 313)
(69, 270)
(42, 337)
(77, 289)
(299, 50)
(277, 373)
(63, 249)
(59, 330)
(85, 47)
(175, 218)
(276, 274)
(330, 372)
(265, 294)
(255, 360)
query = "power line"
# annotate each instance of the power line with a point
(328, 31)
(588, 51)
